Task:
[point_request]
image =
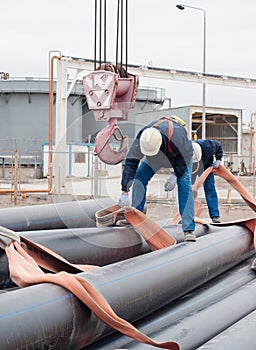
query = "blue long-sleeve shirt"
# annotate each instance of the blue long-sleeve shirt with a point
(210, 149)
(180, 144)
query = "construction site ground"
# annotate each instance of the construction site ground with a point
(160, 205)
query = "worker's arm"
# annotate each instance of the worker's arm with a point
(131, 164)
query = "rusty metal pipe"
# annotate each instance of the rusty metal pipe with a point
(50, 133)
(51, 92)
(11, 190)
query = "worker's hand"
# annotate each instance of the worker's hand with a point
(124, 200)
(216, 164)
(170, 183)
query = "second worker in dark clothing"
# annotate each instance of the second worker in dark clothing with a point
(204, 153)
(162, 144)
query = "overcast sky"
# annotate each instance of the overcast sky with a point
(159, 35)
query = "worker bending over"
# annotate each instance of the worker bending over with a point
(161, 144)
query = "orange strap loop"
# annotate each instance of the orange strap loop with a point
(170, 132)
(25, 271)
(221, 171)
(154, 235)
(25, 259)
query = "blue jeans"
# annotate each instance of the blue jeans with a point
(211, 196)
(185, 196)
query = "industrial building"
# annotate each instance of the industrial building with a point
(24, 106)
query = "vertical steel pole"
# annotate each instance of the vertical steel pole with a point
(182, 7)
(60, 129)
(204, 87)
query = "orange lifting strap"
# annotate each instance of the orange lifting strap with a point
(110, 97)
(236, 184)
(26, 259)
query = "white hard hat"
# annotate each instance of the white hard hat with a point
(150, 141)
(197, 155)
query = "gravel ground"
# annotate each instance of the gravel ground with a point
(232, 208)
(229, 212)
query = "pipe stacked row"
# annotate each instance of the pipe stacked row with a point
(53, 216)
(200, 315)
(71, 234)
(135, 288)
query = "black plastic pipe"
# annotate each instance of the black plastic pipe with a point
(203, 325)
(201, 297)
(48, 315)
(93, 246)
(51, 216)
(240, 335)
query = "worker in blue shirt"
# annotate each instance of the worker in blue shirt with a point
(208, 153)
(161, 144)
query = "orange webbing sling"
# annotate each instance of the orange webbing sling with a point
(170, 132)
(43, 256)
(154, 235)
(25, 259)
(236, 184)
(25, 270)
(250, 223)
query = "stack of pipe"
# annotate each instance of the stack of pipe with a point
(241, 335)
(53, 216)
(49, 316)
(93, 246)
(200, 315)
(168, 294)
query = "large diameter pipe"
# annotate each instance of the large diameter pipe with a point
(240, 335)
(203, 325)
(104, 245)
(86, 246)
(48, 315)
(95, 245)
(51, 216)
(177, 310)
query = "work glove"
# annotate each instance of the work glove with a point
(170, 183)
(124, 200)
(216, 164)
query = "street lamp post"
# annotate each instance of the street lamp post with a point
(182, 7)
